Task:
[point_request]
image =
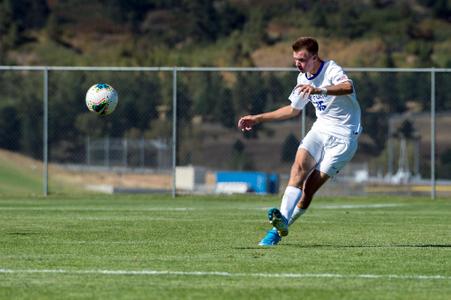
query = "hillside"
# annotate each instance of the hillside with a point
(223, 33)
(21, 175)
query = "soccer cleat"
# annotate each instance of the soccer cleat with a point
(271, 238)
(278, 221)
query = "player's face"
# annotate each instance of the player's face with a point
(303, 60)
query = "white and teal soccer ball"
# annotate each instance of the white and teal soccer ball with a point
(101, 99)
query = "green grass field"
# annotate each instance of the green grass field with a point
(155, 247)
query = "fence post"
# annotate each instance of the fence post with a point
(303, 123)
(433, 183)
(141, 152)
(45, 173)
(106, 150)
(390, 148)
(88, 149)
(174, 129)
(125, 151)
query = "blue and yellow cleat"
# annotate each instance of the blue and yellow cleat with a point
(278, 221)
(271, 238)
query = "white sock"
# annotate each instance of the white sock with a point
(296, 214)
(289, 200)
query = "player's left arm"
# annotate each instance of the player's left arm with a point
(342, 88)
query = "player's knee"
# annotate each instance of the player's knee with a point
(297, 178)
(300, 170)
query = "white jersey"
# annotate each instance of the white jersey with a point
(336, 115)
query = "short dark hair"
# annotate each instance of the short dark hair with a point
(307, 43)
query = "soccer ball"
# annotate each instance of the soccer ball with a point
(101, 99)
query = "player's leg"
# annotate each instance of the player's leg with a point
(311, 185)
(309, 152)
(303, 165)
(337, 152)
(301, 168)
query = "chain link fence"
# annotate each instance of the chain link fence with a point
(174, 131)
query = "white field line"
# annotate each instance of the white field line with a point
(183, 209)
(75, 208)
(350, 206)
(223, 274)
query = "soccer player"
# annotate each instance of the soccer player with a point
(327, 147)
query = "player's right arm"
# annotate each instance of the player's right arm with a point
(286, 112)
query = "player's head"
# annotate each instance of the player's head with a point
(305, 53)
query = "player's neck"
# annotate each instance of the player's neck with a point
(316, 68)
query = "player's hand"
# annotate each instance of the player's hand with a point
(305, 90)
(247, 122)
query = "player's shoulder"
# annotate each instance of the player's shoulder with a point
(332, 68)
(331, 64)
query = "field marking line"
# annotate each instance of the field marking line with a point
(223, 274)
(75, 208)
(350, 206)
(184, 209)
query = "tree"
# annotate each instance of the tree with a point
(10, 128)
(350, 22)
(139, 97)
(224, 111)
(229, 18)
(65, 104)
(376, 126)
(289, 148)
(8, 27)
(26, 109)
(249, 95)
(319, 16)
(54, 30)
(407, 130)
(254, 30)
(208, 91)
(240, 160)
(414, 86)
(365, 87)
(204, 18)
(388, 86)
(444, 167)
(277, 88)
(443, 90)
(441, 9)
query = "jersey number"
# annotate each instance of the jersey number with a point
(320, 105)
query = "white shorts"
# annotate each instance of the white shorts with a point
(330, 153)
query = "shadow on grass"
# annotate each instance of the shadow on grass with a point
(344, 246)
(254, 247)
(22, 233)
(369, 246)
